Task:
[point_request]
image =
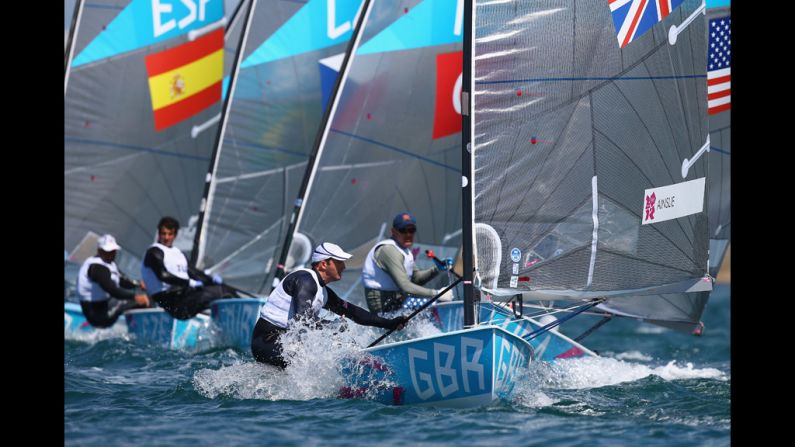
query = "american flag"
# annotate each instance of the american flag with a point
(632, 18)
(719, 61)
(413, 302)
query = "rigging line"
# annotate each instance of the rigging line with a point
(720, 151)
(559, 321)
(607, 79)
(136, 148)
(244, 246)
(590, 331)
(394, 148)
(231, 141)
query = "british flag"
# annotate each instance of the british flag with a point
(719, 61)
(632, 18)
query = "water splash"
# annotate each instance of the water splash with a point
(118, 330)
(316, 357)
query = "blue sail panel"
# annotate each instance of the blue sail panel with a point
(145, 22)
(430, 23)
(298, 35)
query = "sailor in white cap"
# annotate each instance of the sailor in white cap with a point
(104, 291)
(302, 294)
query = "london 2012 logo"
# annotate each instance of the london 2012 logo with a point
(650, 206)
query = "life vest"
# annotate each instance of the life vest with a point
(277, 309)
(374, 277)
(175, 263)
(89, 290)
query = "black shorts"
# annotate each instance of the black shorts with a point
(265, 344)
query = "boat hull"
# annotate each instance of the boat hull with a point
(157, 327)
(234, 320)
(549, 346)
(462, 369)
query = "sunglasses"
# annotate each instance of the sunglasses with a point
(408, 230)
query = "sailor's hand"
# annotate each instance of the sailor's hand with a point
(141, 300)
(195, 283)
(217, 279)
(398, 322)
(441, 265)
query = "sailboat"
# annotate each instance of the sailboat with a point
(578, 120)
(138, 135)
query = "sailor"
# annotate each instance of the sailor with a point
(105, 293)
(181, 290)
(301, 295)
(389, 274)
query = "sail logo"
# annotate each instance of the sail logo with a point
(332, 29)
(673, 201)
(650, 206)
(162, 9)
(449, 77)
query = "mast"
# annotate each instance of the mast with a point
(320, 139)
(209, 186)
(70, 44)
(466, 164)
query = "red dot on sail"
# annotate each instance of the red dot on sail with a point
(524, 279)
(405, 10)
(518, 93)
(533, 140)
(369, 116)
(353, 181)
(93, 177)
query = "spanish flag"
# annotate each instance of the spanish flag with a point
(185, 80)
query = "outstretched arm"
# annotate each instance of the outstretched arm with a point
(359, 315)
(391, 260)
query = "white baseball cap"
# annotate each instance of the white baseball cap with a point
(107, 243)
(328, 250)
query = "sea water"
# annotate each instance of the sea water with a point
(650, 386)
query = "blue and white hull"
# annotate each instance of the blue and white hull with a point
(157, 327)
(234, 320)
(466, 368)
(549, 346)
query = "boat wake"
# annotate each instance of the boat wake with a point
(595, 372)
